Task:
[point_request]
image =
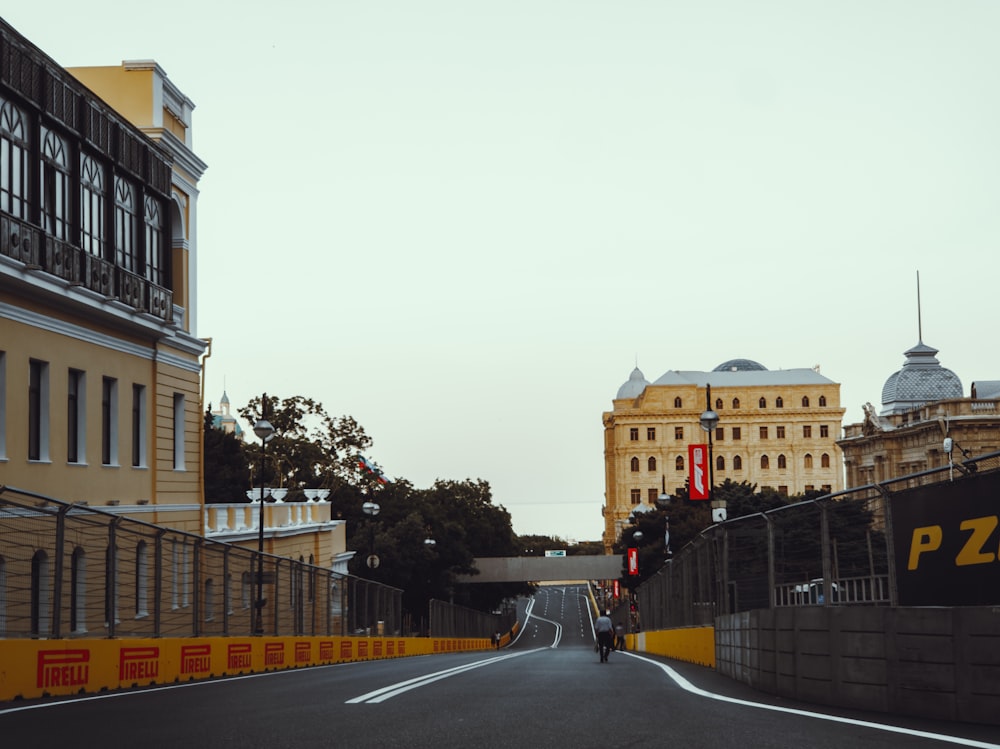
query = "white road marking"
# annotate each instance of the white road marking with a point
(689, 687)
(385, 693)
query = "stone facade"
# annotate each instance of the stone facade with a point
(776, 429)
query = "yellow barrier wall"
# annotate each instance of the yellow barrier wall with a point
(36, 668)
(691, 644)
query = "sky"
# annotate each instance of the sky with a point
(464, 223)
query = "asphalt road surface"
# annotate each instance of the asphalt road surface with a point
(547, 689)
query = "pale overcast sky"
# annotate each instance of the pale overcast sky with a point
(463, 223)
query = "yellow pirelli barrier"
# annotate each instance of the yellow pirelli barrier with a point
(37, 668)
(691, 644)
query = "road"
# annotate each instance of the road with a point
(548, 689)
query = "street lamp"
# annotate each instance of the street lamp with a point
(371, 509)
(264, 431)
(709, 419)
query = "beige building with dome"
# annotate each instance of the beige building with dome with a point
(922, 405)
(776, 428)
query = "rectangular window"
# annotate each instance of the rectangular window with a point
(783, 490)
(633, 434)
(807, 431)
(678, 433)
(763, 433)
(780, 433)
(720, 434)
(809, 487)
(38, 410)
(825, 489)
(824, 430)
(651, 495)
(178, 431)
(138, 426)
(109, 421)
(76, 421)
(636, 496)
(737, 433)
(651, 434)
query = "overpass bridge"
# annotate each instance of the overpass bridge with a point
(544, 569)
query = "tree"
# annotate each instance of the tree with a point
(463, 523)
(224, 464)
(310, 449)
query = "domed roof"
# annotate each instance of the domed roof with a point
(633, 388)
(740, 365)
(921, 380)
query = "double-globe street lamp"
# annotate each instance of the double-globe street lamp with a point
(264, 431)
(709, 420)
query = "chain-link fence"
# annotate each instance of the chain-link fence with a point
(68, 570)
(836, 549)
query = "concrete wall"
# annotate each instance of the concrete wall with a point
(941, 663)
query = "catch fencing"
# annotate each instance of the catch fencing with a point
(71, 571)
(835, 549)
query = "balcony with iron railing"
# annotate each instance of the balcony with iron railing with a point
(37, 251)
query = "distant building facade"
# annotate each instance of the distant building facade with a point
(776, 429)
(224, 421)
(922, 404)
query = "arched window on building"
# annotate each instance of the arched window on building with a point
(807, 461)
(246, 590)
(762, 403)
(737, 463)
(209, 600)
(77, 591)
(736, 402)
(3, 596)
(14, 186)
(55, 180)
(779, 402)
(764, 462)
(782, 463)
(824, 460)
(822, 401)
(679, 463)
(720, 463)
(805, 401)
(677, 402)
(634, 464)
(718, 404)
(651, 464)
(141, 578)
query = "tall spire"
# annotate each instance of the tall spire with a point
(920, 325)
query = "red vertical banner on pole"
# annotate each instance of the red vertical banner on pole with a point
(633, 561)
(698, 460)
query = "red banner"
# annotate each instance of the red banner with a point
(698, 460)
(633, 561)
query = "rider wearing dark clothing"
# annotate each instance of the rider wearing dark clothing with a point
(605, 631)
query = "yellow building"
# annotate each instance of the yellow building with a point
(922, 406)
(100, 364)
(101, 398)
(776, 429)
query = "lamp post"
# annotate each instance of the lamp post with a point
(264, 431)
(371, 509)
(709, 420)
